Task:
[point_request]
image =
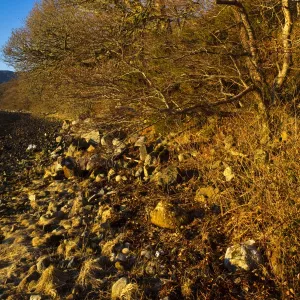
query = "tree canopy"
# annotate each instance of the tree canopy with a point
(161, 56)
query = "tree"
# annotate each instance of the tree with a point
(165, 57)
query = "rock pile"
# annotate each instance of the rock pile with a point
(101, 219)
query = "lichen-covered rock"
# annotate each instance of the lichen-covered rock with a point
(166, 177)
(92, 137)
(242, 256)
(204, 193)
(166, 215)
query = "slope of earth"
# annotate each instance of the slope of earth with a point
(101, 213)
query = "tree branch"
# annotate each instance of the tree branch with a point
(208, 106)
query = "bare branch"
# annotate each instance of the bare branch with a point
(208, 106)
(286, 44)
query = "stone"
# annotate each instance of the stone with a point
(121, 257)
(66, 125)
(42, 264)
(139, 172)
(125, 251)
(80, 144)
(260, 156)
(106, 141)
(146, 254)
(183, 156)
(71, 150)
(143, 152)
(204, 193)
(69, 166)
(110, 173)
(140, 141)
(118, 178)
(166, 177)
(92, 137)
(118, 287)
(58, 139)
(35, 297)
(31, 147)
(98, 178)
(243, 256)
(91, 148)
(166, 215)
(229, 175)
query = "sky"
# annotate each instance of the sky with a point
(13, 16)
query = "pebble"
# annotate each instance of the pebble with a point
(146, 254)
(121, 257)
(125, 251)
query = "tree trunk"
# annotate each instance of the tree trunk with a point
(262, 89)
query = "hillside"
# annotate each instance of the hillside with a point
(6, 76)
(91, 211)
(158, 158)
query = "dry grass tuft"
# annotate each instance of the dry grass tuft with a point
(51, 281)
(90, 274)
(130, 292)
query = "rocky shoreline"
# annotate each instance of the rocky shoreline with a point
(92, 214)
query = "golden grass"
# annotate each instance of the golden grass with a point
(89, 275)
(51, 281)
(262, 201)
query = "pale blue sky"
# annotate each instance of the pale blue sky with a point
(13, 15)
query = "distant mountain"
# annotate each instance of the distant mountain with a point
(6, 76)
